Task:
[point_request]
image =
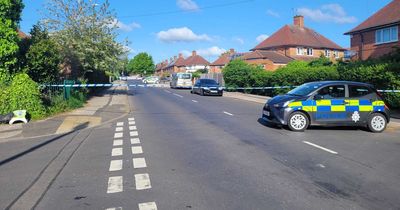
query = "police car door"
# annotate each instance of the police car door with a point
(360, 102)
(330, 105)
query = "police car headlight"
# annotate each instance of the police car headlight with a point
(220, 88)
(282, 105)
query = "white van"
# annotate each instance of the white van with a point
(181, 80)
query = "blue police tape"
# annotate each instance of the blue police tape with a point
(155, 85)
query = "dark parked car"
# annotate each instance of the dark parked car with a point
(207, 87)
(340, 103)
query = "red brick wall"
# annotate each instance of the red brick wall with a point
(369, 49)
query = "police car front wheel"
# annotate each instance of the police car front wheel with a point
(377, 123)
(298, 121)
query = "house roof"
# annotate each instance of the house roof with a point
(291, 35)
(195, 60)
(222, 60)
(267, 54)
(21, 34)
(180, 61)
(387, 15)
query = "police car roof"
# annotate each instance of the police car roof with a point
(341, 82)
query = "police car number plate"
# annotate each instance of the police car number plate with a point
(266, 113)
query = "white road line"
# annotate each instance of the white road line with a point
(137, 150)
(167, 91)
(115, 184)
(133, 133)
(195, 101)
(120, 123)
(131, 123)
(139, 163)
(116, 152)
(135, 141)
(118, 135)
(131, 119)
(114, 208)
(319, 147)
(178, 95)
(119, 129)
(142, 181)
(115, 165)
(230, 114)
(118, 142)
(148, 206)
(132, 128)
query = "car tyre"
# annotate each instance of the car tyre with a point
(377, 123)
(191, 91)
(298, 122)
(221, 94)
(202, 92)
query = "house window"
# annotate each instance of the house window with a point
(336, 54)
(300, 51)
(310, 51)
(327, 53)
(385, 35)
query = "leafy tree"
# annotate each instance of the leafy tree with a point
(11, 10)
(142, 64)
(85, 32)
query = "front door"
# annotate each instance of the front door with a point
(330, 105)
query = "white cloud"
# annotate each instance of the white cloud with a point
(125, 27)
(238, 40)
(187, 5)
(181, 35)
(261, 37)
(273, 13)
(208, 52)
(327, 13)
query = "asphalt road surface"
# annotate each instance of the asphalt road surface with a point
(177, 151)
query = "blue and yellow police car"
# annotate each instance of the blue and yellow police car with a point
(329, 103)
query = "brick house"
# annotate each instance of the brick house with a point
(176, 64)
(221, 62)
(195, 62)
(378, 35)
(295, 42)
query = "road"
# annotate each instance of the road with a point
(176, 150)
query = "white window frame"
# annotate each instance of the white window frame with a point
(393, 33)
(310, 51)
(336, 54)
(327, 53)
(300, 51)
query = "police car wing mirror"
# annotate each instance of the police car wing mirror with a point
(318, 97)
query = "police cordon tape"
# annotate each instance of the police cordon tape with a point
(158, 85)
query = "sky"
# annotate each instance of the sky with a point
(165, 28)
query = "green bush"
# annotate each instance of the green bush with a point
(23, 93)
(58, 104)
(240, 74)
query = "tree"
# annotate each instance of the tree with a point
(43, 57)
(85, 30)
(10, 15)
(142, 64)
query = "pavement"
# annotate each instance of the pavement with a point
(102, 107)
(176, 150)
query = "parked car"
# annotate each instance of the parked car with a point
(151, 80)
(207, 87)
(329, 103)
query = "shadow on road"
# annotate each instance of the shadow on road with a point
(14, 157)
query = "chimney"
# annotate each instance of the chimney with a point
(194, 53)
(231, 51)
(298, 20)
(180, 55)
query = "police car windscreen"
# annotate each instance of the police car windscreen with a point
(304, 89)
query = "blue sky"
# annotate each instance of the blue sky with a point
(164, 28)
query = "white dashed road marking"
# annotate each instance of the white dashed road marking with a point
(134, 133)
(118, 135)
(115, 165)
(115, 184)
(178, 95)
(230, 114)
(195, 101)
(114, 208)
(142, 181)
(148, 206)
(131, 119)
(119, 129)
(117, 142)
(320, 147)
(120, 123)
(116, 152)
(135, 141)
(167, 91)
(131, 122)
(139, 163)
(132, 128)
(137, 150)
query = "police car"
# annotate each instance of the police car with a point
(330, 103)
